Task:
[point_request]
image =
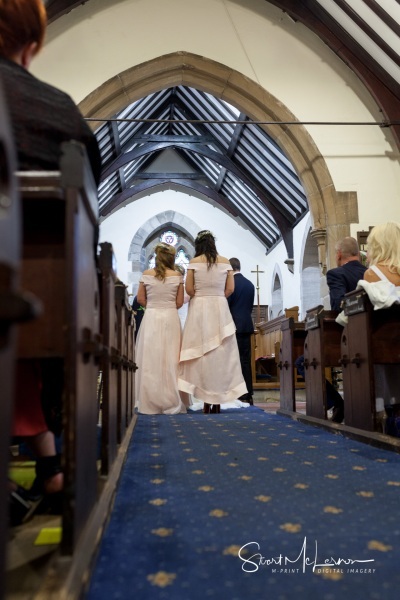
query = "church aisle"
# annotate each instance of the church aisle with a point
(318, 508)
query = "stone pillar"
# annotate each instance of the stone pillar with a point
(319, 235)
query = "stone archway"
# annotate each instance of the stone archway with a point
(136, 253)
(331, 211)
(276, 308)
(311, 278)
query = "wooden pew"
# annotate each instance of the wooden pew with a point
(371, 337)
(267, 334)
(125, 331)
(60, 213)
(132, 366)
(110, 359)
(15, 307)
(290, 348)
(321, 351)
(9, 261)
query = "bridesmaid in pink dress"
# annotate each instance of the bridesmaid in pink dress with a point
(159, 338)
(209, 366)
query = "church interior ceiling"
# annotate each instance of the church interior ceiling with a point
(225, 158)
(236, 165)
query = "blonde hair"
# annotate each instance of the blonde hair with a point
(165, 259)
(383, 246)
(21, 22)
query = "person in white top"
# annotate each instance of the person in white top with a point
(383, 257)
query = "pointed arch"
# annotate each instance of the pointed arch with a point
(139, 252)
(331, 211)
(276, 294)
(310, 272)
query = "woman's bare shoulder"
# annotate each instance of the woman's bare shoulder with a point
(223, 259)
(197, 259)
(149, 272)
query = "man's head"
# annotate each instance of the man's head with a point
(22, 29)
(346, 250)
(235, 264)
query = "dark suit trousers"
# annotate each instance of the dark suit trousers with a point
(244, 345)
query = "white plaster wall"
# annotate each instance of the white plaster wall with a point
(232, 239)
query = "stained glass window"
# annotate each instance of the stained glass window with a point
(169, 237)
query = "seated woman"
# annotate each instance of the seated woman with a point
(383, 257)
(159, 339)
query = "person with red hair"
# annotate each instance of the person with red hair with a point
(42, 117)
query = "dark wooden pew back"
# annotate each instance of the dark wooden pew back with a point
(371, 337)
(10, 250)
(321, 350)
(110, 358)
(291, 348)
(60, 214)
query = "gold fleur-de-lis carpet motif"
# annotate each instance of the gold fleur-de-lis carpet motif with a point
(249, 505)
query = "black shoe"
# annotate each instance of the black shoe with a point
(246, 398)
(337, 415)
(21, 509)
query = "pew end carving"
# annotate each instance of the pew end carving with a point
(321, 352)
(370, 338)
(268, 334)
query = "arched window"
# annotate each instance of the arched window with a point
(182, 258)
(277, 302)
(170, 237)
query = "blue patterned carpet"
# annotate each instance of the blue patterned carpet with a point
(197, 489)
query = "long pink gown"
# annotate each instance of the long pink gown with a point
(209, 367)
(157, 349)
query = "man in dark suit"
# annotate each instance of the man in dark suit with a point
(341, 280)
(241, 305)
(344, 278)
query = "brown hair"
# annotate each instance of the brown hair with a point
(21, 22)
(235, 263)
(165, 259)
(205, 244)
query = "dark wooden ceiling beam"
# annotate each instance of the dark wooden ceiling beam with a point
(190, 186)
(368, 30)
(237, 134)
(147, 175)
(382, 14)
(189, 139)
(139, 188)
(384, 89)
(283, 221)
(58, 8)
(278, 212)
